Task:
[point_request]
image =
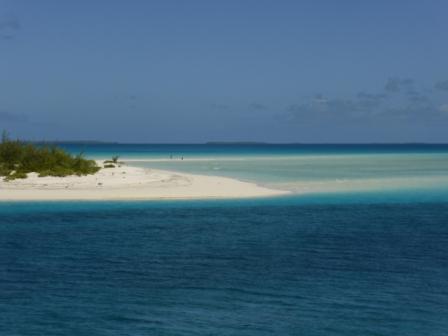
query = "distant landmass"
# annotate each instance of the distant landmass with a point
(99, 142)
(75, 142)
(236, 143)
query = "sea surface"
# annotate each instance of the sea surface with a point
(360, 247)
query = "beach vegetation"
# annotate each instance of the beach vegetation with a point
(114, 160)
(18, 158)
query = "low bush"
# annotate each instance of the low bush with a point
(18, 158)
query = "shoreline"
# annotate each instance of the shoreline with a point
(126, 182)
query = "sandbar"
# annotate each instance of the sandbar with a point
(126, 182)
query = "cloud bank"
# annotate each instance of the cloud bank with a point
(399, 99)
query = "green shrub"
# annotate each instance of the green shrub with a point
(114, 160)
(16, 175)
(109, 166)
(18, 158)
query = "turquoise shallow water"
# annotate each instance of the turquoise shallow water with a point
(351, 262)
(298, 168)
(223, 150)
(323, 173)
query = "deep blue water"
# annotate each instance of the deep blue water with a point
(369, 259)
(284, 266)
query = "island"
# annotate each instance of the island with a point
(39, 172)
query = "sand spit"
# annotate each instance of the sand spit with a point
(130, 183)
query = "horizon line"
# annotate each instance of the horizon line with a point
(215, 143)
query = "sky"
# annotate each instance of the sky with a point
(237, 70)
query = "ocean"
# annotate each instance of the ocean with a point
(360, 247)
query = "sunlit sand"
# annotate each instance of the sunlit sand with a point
(130, 183)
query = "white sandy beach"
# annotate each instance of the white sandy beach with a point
(130, 183)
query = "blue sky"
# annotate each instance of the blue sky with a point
(195, 71)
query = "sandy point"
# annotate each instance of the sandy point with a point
(125, 182)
